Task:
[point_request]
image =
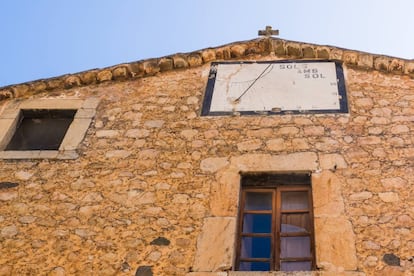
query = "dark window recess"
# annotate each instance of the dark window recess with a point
(41, 129)
(276, 223)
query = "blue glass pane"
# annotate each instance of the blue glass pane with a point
(295, 266)
(258, 201)
(254, 266)
(257, 223)
(255, 247)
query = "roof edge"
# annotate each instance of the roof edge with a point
(275, 47)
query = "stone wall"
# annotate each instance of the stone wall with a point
(155, 183)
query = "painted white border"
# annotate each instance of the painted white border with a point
(86, 110)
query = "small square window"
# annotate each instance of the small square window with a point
(41, 129)
(45, 128)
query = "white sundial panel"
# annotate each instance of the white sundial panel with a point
(276, 87)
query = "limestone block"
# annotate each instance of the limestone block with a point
(151, 67)
(189, 134)
(104, 75)
(294, 49)
(137, 133)
(314, 131)
(215, 245)
(300, 161)
(225, 194)
(327, 196)
(237, 50)
(323, 52)
(180, 62)
(382, 63)
(300, 144)
(165, 64)
(208, 55)
(396, 65)
(107, 133)
(195, 60)
(118, 154)
(350, 57)
(154, 123)
(409, 67)
(8, 195)
(9, 231)
(23, 175)
(88, 77)
(394, 183)
(277, 144)
(249, 145)
(120, 72)
(332, 161)
(366, 61)
(360, 196)
(213, 164)
(389, 197)
(364, 102)
(335, 242)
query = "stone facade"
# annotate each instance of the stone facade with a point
(155, 187)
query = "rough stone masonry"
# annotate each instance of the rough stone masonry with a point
(154, 189)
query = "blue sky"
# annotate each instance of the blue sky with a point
(47, 38)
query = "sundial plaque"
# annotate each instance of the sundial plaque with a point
(275, 87)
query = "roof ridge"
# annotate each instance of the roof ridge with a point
(260, 47)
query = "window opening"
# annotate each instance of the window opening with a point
(276, 223)
(41, 129)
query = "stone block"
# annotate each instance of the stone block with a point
(396, 65)
(151, 67)
(389, 197)
(249, 145)
(277, 144)
(332, 161)
(409, 67)
(20, 90)
(208, 55)
(279, 47)
(225, 193)
(308, 51)
(294, 49)
(335, 243)
(72, 81)
(360, 196)
(323, 52)
(165, 64)
(213, 164)
(300, 161)
(88, 77)
(180, 61)
(215, 245)
(38, 86)
(327, 195)
(237, 51)
(350, 57)
(195, 60)
(120, 73)
(104, 75)
(366, 61)
(382, 63)
(223, 53)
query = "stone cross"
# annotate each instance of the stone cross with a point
(268, 32)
